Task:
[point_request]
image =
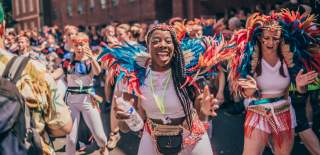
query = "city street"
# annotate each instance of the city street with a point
(253, 65)
(227, 138)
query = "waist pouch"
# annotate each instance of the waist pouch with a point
(168, 138)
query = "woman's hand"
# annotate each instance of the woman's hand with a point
(96, 67)
(88, 53)
(208, 104)
(303, 80)
(249, 85)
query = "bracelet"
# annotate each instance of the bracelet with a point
(256, 93)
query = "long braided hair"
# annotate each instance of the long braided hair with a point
(186, 97)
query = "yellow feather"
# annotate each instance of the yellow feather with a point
(310, 19)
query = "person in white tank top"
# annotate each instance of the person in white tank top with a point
(269, 112)
(165, 103)
(80, 96)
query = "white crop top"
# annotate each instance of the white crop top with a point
(78, 80)
(270, 81)
(173, 108)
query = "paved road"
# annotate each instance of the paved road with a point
(227, 138)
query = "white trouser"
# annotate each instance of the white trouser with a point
(202, 147)
(82, 103)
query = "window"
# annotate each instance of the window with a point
(17, 8)
(31, 5)
(23, 6)
(91, 4)
(69, 8)
(80, 7)
(25, 25)
(33, 25)
(115, 2)
(103, 4)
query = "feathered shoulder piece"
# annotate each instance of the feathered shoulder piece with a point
(202, 55)
(300, 39)
(238, 42)
(126, 63)
(302, 35)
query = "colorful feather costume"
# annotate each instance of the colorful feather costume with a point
(129, 62)
(300, 49)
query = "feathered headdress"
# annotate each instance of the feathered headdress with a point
(300, 35)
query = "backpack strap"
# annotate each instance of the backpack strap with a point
(8, 66)
(15, 68)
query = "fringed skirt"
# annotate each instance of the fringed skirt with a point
(273, 118)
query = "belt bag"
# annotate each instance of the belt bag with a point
(168, 138)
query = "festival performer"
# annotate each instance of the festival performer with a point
(163, 88)
(79, 71)
(272, 52)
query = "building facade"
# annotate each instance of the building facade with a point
(95, 12)
(78, 12)
(34, 13)
(26, 13)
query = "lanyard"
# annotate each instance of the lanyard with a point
(160, 99)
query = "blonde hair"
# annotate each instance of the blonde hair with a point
(68, 28)
(82, 35)
(125, 27)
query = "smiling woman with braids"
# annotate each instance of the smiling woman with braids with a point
(175, 116)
